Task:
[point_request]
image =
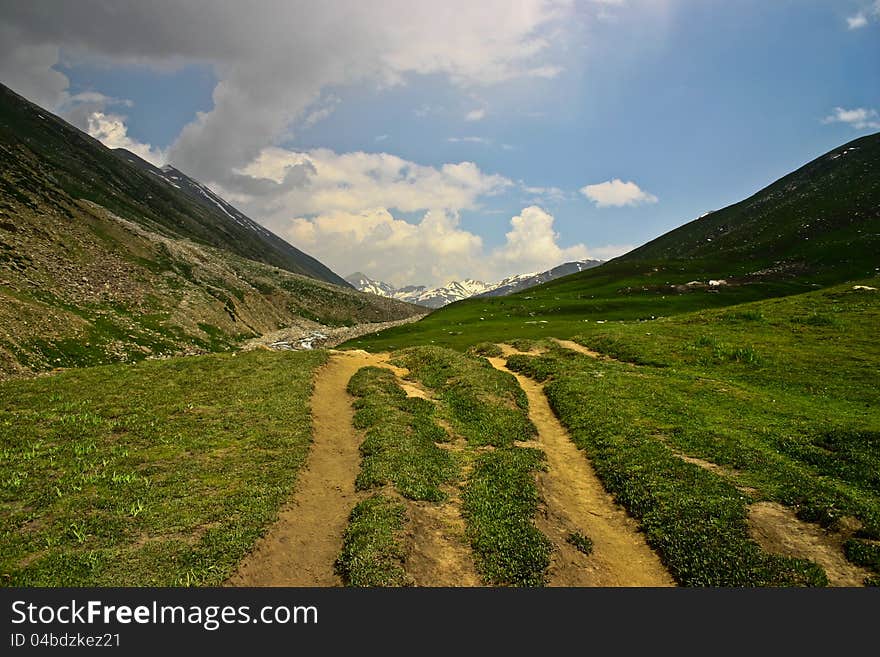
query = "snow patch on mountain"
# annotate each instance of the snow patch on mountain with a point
(437, 297)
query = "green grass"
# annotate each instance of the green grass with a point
(694, 518)
(400, 444)
(485, 406)
(581, 542)
(794, 417)
(489, 349)
(160, 473)
(565, 307)
(371, 548)
(399, 449)
(499, 499)
(835, 360)
(499, 502)
(863, 553)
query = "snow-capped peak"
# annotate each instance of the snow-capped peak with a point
(437, 297)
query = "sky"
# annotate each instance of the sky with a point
(422, 142)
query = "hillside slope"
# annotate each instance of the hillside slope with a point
(99, 263)
(80, 167)
(821, 221)
(818, 226)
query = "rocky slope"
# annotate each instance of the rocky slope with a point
(102, 262)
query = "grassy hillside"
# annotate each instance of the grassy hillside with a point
(818, 226)
(160, 473)
(166, 471)
(777, 400)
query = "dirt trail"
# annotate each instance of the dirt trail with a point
(778, 530)
(301, 547)
(774, 527)
(438, 553)
(576, 501)
(574, 346)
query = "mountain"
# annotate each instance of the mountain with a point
(522, 282)
(816, 227)
(364, 283)
(270, 249)
(821, 222)
(104, 258)
(135, 190)
(437, 297)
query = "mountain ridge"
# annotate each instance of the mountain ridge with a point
(819, 216)
(438, 297)
(85, 169)
(102, 261)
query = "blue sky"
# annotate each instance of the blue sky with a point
(697, 103)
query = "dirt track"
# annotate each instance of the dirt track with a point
(576, 501)
(574, 346)
(301, 547)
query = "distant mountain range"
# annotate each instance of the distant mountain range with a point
(437, 297)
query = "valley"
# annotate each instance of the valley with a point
(705, 448)
(188, 400)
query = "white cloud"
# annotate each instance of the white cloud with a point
(547, 194)
(274, 63)
(426, 110)
(863, 17)
(79, 108)
(860, 118)
(380, 137)
(97, 98)
(436, 249)
(344, 209)
(616, 193)
(321, 110)
(111, 131)
(547, 72)
(469, 140)
(26, 67)
(281, 183)
(475, 115)
(273, 68)
(532, 245)
(857, 21)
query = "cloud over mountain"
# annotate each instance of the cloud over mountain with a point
(273, 60)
